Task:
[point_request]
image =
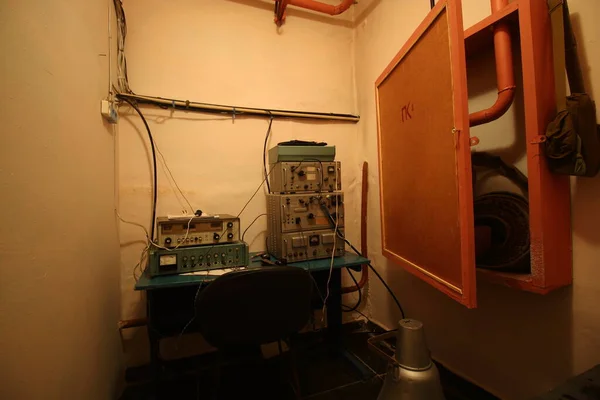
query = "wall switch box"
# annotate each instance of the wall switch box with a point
(109, 111)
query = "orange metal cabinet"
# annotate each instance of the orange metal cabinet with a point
(424, 153)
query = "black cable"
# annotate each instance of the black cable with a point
(265, 153)
(341, 235)
(378, 276)
(355, 307)
(359, 312)
(251, 223)
(153, 147)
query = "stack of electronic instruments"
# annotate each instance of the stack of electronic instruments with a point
(305, 203)
(188, 244)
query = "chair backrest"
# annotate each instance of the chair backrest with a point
(254, 306)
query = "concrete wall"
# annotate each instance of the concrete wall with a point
(59, 291)
(227, 52)
(514, 344)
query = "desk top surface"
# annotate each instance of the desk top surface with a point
(166, 281)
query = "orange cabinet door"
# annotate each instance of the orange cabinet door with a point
(424, 156)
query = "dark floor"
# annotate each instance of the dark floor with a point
(322, 376)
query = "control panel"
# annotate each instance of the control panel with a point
(305, 245)
(306, 176)
(202, 258)
(297, 212)
(173, 232)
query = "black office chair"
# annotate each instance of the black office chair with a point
(245, 309)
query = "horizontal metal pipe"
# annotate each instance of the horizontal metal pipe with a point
(241, 111)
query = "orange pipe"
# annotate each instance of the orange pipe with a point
(363, 231)
(505, 76)
(322, 7)
(310, 5)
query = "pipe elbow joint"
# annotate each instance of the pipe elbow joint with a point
(500, 107)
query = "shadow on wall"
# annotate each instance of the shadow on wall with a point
(584, 191)
(582, 51)
(511, 333)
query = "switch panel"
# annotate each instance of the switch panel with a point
(305, 176)
(174, 232)
(305, 245)
(301, 212)
(202, 258)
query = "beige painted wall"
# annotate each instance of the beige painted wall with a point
(515, 344)
(59, 291)
(227, 52)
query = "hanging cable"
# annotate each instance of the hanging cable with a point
(252, 223)
(265, 153)
(341, 236)
(376, 274)
(154, 178)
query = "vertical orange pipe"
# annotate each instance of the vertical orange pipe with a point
(505, 76)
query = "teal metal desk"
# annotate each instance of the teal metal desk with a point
(169, 281)
(170, 300)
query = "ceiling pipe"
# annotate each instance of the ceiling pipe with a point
(505, 76)
(280, 6)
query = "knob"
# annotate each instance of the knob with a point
(184, 259)
(168, 241)
(230, 225)
(301, 173)
(216, 236)
(311, 216)
(230, 236)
